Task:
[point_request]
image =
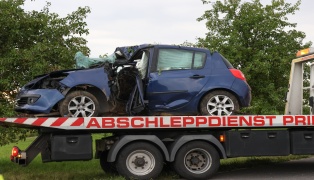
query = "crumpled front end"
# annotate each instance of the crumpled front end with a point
(41, 94)
(38, 100)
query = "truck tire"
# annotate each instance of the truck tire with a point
(79, 104)
(196, 160)
(107, 167)
(139, 160)
(219, 103)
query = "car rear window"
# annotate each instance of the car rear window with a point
(227, 63)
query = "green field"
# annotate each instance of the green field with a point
(51, 170)
(91, 169)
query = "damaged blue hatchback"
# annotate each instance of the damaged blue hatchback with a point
(141, 80)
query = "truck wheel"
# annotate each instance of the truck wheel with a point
(79, 104)
(219, 103)
(139, 160)
(196, 160)
(108, 167)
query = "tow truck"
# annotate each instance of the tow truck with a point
(139, 146)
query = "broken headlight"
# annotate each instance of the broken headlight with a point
(32, 99)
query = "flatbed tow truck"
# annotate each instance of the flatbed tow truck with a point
(192, 145)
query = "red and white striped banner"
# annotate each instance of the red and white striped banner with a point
(61, 122)
(139, 122)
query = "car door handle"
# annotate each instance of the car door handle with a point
(196, 76)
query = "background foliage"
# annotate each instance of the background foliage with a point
(34, 43)
(259, 40)
(256, 38)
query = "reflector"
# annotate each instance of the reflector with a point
(222, 138)
(15, 151)
(305, 52)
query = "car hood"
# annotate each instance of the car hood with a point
(72, 78)
(58, 72)
(51, 74)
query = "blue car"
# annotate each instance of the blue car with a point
(142, 80)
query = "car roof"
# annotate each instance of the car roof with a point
(127, 52)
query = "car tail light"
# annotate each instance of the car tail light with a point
(238, 74)
(15, 151)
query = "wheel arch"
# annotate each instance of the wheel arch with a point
(182, 140)
(218, 89)
(98, 93)
(127, 139)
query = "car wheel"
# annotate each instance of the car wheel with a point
(196, 160)
(79, 104)
(219, 103)
(140, 160)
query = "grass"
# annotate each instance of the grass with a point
(52, 170)
(91, 169)
(249, 162)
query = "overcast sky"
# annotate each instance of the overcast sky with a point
(132, 22)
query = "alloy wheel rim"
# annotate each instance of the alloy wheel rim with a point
(220, 105)
(81, 106)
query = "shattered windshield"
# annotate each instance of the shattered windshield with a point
(82, 61)
(125, 52)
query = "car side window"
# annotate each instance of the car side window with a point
(170, 59)
(174, 59)
(199, 60)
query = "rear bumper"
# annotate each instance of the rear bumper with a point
(243, 90)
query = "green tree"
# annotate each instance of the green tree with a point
(33, 43)
(259, 40)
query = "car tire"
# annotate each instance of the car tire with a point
(196, 160)
(219, 103)
(140, 160)
(79, 104)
